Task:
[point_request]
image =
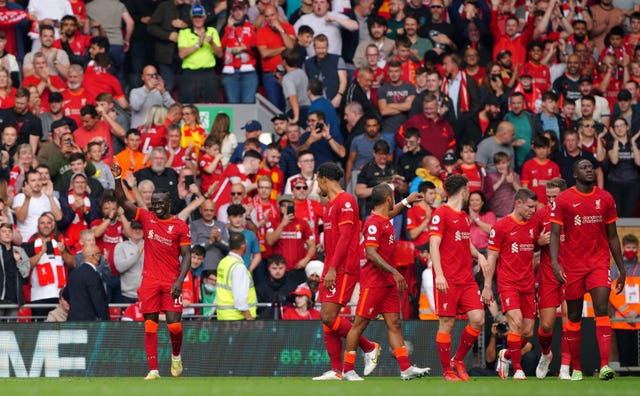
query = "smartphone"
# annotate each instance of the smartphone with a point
(319, 127)
(188, 180)
(290, 209)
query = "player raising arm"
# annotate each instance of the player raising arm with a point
(456, 290)
(166, 239)
(587, 215)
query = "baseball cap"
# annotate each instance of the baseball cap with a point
(136, 225)
(58, 123)
(624, 95)
(298, 180)
(197, 10)
(503, 53)
(55, 97)
(252, 126)
(302, 290)
(285, 198)
(238, 4)
(585, 79)
(78, 174)
(281, 117)
(449, 158)
(314, 267)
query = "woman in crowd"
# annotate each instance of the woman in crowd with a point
(220, 131)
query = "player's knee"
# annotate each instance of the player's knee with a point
(150, 326)
(327, 318)
(175, 328)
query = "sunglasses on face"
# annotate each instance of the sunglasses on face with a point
(302, 188)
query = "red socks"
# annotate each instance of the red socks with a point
(342, 327)
(603, 335)
(443, 342)
(151, 343)
(349, 361)
(574, 337)
(175, 333)
(468, 337)
(514, 345)
(333, 343)
(565, 357)
(545, 341)
(403, 357)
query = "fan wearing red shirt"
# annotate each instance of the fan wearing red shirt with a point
(511, 245)
(538, 71)
(97, 80)
(419, 215)
(167, 258)
(380, 283)
(74, 43)
(341, 269)
(210, 164)
(302, 306)
(587, 214)
(44, 82)
(537, 171)
(456, 291)
(270, 168)
(75, 96)
(550, 292)
(94, 129)
(238, 173)
(468, 167)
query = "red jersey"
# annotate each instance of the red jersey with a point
(310, 211)
(539, 73)
(153, 136)
(178, 158)
(342, 234)
(97, 80)
(273, 217)
(475, 174)
(6, 102)
(290, 313)
(584, 218)
(78, 44)
(74, 101)
(162, 242)
(234, 173)
(380, 234)
(267, 37)
(291, 244)
(415, 216)
(536, 175)
(454, 227)
(542, 220)
(101, 134)
(207, 179)
(108, 241)
(79, 9)
(133, 313)
(44, 96)
(514, 241)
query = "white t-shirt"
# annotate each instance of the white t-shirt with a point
(329, 29)
(37, 206)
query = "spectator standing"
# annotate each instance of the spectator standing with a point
(328, 68)
(294, 88)
(327, 22)
(239, 76)
(84, 291)
(57, 61)
(210, 234)
(32, 202)
(623, 155)
(236, 297)
(14, 270)
(501, 141)
(29, 126)
(198, 47)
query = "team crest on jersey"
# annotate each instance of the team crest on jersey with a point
(170, 229)
(444, 306)
(435, 219)
(531, 233)
(597, 204)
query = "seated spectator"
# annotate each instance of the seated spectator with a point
(128, 258)
(151, 93)
(430, 170)
(276, 289)
(469, 167)
(208, 293)
(302, 306)
(103, 172)
(252, 129)
(306, 164)
(501, 185)
(59, 313)
(198, 47)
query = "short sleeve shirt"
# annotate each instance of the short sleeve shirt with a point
(514, 242)
(454, 227)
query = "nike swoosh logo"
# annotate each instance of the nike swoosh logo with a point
(455, 221)
(576, 204)
(513, 233)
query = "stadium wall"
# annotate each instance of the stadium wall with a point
(260, 348)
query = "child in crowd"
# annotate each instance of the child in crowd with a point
(468, 167)
(537, 171)
(210, 163)
(500, 186)
(103, 172)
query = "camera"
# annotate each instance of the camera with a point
(502, 327)
(154, 76)
(319, 127)
(67, 140)
(495, 77)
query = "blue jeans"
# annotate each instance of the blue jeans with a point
(116, 52)
(273, 90)
(240, 87)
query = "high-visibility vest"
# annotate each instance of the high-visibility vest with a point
(425, 311)
(587, 307)
(224, 295)
(628, 300)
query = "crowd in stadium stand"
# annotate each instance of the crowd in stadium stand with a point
(508, 93)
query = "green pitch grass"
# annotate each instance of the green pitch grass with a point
(262, 386)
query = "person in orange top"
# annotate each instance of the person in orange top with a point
(131, 159)
(270, 168)
(192, 133)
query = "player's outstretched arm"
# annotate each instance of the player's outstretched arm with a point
(616, 252)
(554, 249)
(129, 208)
(379, 262)
(406, 202)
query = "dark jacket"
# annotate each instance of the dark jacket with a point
(86, 295)
(12, 276)
(165, 181)
(160, 28)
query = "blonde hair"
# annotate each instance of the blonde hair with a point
(156, 115)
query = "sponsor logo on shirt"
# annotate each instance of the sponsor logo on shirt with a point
(581, 220)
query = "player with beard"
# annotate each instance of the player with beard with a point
(341, 270)
(167, 257)
(588, 216)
